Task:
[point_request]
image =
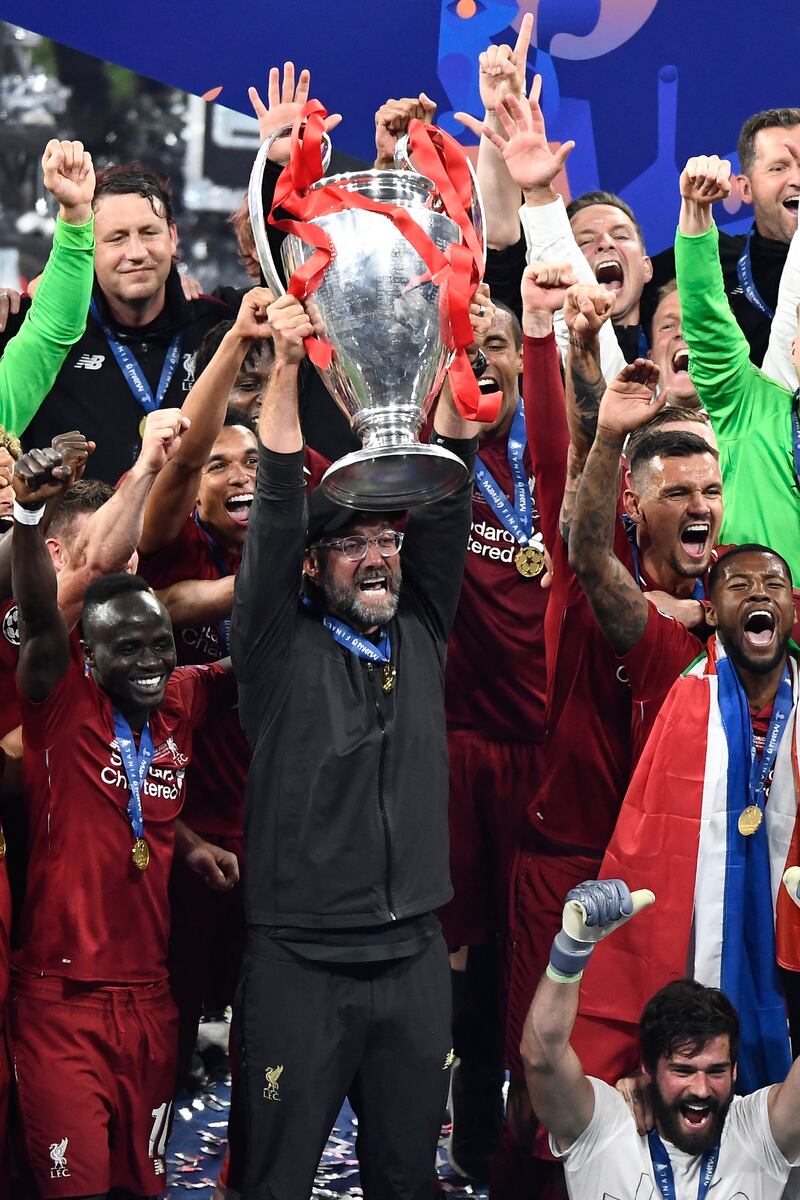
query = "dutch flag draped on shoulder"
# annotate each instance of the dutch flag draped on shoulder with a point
(721, 915)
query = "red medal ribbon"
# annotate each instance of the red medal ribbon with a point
(457, 272)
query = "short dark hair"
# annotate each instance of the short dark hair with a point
(131, 178)
(516, 328)
(236, 416)
(667, 443)
(670, 414)
(211, 344)
(85, 496)
(734, 552)
(770, 118)
(108, 587)
(686, 1014)
(588, 199)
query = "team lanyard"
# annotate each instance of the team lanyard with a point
(796, 434)
(516, 519)
(133, 373)
(662, 1168)
(224, 625)
(698, 591)
(759, 772)
(136, 767)
(352, 641)
(745, 272)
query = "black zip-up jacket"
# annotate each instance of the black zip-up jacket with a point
(91, 394)
(346, 808)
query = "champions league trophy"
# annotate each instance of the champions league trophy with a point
(380, 312)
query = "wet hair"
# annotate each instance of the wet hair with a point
(132, 179)
(85, 496)
(10, 442)
(248, 256)
(516, 328)
(685, 1015)
(771, 118)
(211, 344)
(715, 573)
(589, 199)
(109, 587)
(670, 414)
(667, 443)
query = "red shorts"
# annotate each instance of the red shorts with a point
(95, 1074)
(541, 879)
(491, 784)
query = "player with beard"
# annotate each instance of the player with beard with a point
(688, 1042)
(345, 989)
(107, 740)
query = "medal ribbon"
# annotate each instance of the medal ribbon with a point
(744, 270)
(796, 434)
(748, 969)
(133, 373)
(662, 1168)
(136, 767)
(224, 625)
(457, 271)
(518, 520)
(352, 641)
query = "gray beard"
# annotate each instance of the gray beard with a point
(346, 602)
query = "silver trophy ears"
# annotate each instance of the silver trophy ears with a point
(402, 160)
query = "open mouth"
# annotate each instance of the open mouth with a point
(488, 384)
(610, 275)
(375, 586)
(680, 360)
(696, 1114)
(149, 684)
(791, 204)
(694, 539)
(239, 506)
(759, 627)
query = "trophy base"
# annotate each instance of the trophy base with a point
(394, 477)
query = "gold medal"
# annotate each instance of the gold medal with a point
(529, 561)
(142, 424)
(140, 854)
(2, 844)
(750, 820)
(389, 677)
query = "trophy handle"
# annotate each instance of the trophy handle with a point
(477, 213)
(256, 206)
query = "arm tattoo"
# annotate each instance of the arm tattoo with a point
(585, 388)
(617, 601)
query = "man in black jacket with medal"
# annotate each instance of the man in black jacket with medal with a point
(345, 990)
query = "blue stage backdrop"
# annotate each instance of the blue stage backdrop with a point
(639, 84)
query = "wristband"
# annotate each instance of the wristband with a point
(28, 516)
(557, 977)
(569, 957)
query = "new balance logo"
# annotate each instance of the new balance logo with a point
(90, 362)
(58, 1153)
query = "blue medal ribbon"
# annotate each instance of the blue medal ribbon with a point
(224, 625)
(516, 519)
(744, 270)
(644, 349)
(662, 1168)
(748, 970)
(133, 373)
(698, 591)
(352, 641)
(796, 434)
(136, 767)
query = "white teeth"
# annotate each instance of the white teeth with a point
(699, 528)
(611, 262)
(245, 498)
(151, 683)
(680, 360)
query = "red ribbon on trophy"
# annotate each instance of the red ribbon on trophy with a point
(457, 271)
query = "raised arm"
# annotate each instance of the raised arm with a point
(617, 601)
(561, 1095)
(111, 535)
(174, 492)
(501, 72)
(197, 601)
(44, 639)
(57, 316)
(391, 122)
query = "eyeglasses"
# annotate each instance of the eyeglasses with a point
(355, 547)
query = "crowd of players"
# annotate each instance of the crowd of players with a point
(619, 678)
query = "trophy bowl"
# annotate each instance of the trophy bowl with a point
(384, 326)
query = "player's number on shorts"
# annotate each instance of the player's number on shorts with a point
(157, 1146)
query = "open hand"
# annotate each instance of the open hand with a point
(630, 400)
(525, 149)
(284, 104)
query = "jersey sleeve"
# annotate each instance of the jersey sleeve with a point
(205, 690)
(663, 652)
(180, 559)
(748, 1124)
(54, 322)
(610, 1120)
(68, 706)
